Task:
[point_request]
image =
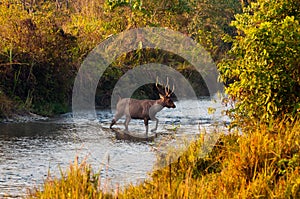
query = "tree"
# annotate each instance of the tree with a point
(208, 23)
(264, 61)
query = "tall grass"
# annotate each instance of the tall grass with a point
(263, 162)
(79, 181)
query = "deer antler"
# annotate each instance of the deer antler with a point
(167, 88)
(172, 91)
(158, 88)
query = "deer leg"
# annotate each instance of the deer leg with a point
(127, 122)
(112, 123)
(155, 119)
(116, 118)
(146, 125)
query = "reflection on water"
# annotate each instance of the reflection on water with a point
(29, 150)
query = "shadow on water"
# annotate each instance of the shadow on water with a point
(29, 150)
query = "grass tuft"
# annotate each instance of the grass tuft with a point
(78, 182)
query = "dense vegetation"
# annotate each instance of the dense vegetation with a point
(42, 43)
(264, 62)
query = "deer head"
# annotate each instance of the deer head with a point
(165, 96)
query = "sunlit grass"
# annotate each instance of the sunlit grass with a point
(79, 181)
(262, 162)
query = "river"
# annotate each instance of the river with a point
(29, 150)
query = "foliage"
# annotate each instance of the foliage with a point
(263, 63)
(211, 22)
(36, 57)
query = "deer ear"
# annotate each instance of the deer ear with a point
(161, 96)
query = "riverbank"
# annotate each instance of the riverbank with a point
(262, 162)
(24, 117)
(16, 111)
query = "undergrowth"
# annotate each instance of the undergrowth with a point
(262, 162)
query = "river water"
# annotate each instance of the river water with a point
(28, 151)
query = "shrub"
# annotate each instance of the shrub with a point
(263, 63)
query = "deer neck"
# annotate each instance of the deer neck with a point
(161, 104)
(155, 107)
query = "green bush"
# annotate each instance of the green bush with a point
(263, 63)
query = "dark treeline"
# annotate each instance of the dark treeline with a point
(42, 43)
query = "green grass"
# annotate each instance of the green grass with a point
(263, 162)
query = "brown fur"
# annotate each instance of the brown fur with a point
(141, 109)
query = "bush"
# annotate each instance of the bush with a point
(263, 63)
